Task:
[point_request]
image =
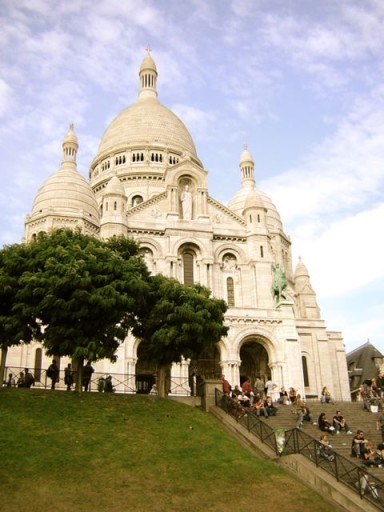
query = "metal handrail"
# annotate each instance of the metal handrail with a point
(355, 477)
(122, 383)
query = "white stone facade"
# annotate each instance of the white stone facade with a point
(145, 163)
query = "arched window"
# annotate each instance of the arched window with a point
(305, 371)
(136, 200)
(230, 292)
(188, 267)
(115, 205)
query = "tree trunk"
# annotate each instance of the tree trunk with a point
(78, 368)
(4, 352)
(162, 380)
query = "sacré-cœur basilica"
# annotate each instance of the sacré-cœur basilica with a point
(147, 182)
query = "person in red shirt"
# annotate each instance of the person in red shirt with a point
(247, 386)
(226, 386)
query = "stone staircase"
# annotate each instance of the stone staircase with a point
(357, 418)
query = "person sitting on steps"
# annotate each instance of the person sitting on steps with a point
(325, 448)
(340, 423)
(259, 408)
(324, 424)
(326, 397)
(359, 445)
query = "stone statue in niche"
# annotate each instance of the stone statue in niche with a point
(229, 263)
(186, 203)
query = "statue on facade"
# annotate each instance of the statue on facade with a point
(186, 203)
(279, 282)
(229, 263)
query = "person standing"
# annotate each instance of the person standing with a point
(271, 390)
(68, 376)
(29, 379)
(299, 408)
(21, 380)
(259, 387)
(11, 383)
(87, 375)
(380, 423)
(226, 386)
(247, 386)
(53, 373)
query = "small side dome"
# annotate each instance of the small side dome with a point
(65, 192)
(238, 203)
(115, 187)
(253, 200)
(301, 269)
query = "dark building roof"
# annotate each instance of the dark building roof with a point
(362, 364)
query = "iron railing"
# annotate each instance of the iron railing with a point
(122, 383)
(356, 478)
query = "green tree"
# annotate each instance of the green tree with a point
(85, 292)
(178, 321)
(16, 326)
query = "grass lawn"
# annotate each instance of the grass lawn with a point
(95, 452)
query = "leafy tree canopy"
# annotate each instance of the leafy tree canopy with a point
(179, 321)
(84, 291)
(15, 325)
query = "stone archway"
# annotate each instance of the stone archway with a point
(254, 360)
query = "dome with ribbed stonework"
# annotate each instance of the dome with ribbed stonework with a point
(66, 197)
(147, 124)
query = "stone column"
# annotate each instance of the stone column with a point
(231, 370)
(210, 386)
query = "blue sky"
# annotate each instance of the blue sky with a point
(299, 81)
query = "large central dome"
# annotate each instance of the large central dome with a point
(146, 123)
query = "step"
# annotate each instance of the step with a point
(357, 419)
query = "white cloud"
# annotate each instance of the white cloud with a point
(6, 97)
(346, 256)
(344, 172)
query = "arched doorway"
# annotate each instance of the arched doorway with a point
(254, 360)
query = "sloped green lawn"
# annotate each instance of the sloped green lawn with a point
(63, 452)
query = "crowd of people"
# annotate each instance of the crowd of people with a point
(25, 379)
(263, 400)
